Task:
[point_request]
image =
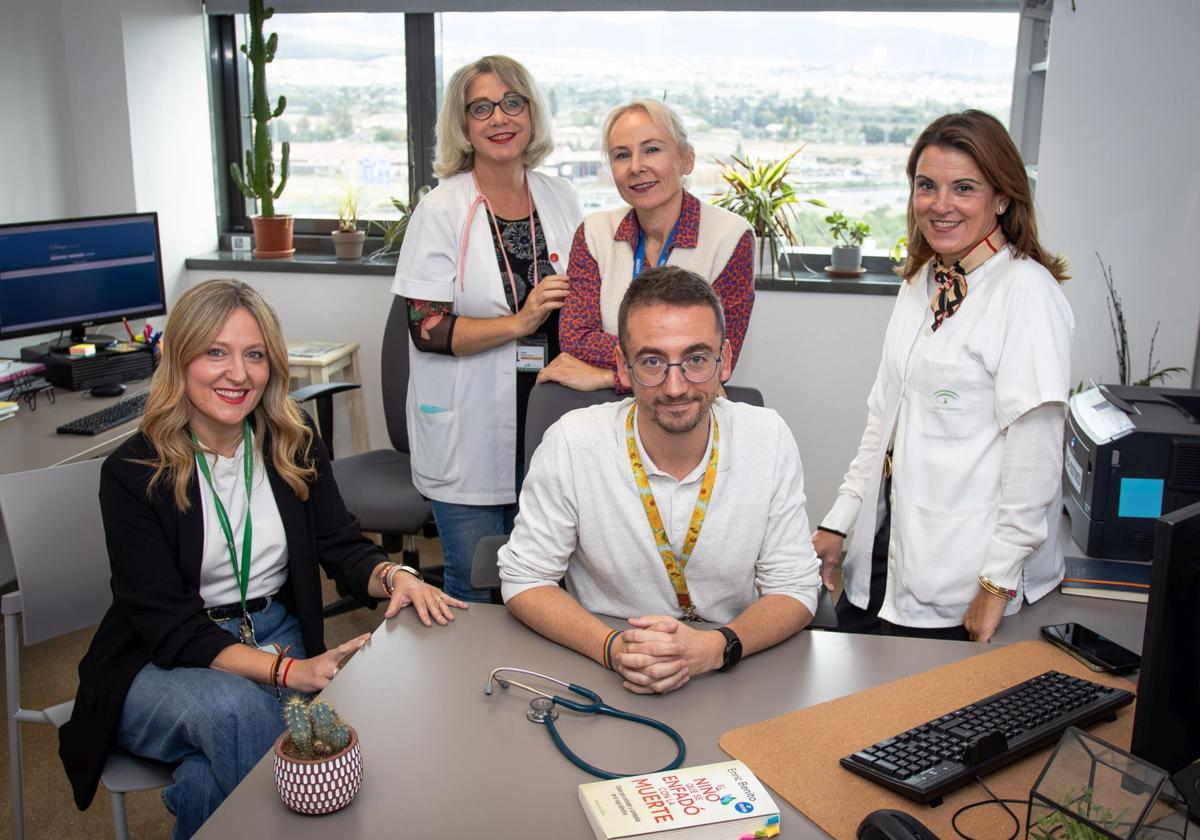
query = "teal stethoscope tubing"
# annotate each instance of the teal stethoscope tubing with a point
(595, 706)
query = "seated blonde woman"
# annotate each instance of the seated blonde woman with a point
(647, 148)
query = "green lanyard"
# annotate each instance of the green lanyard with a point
(242, 576)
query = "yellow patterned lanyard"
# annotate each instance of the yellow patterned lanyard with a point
(674, 565)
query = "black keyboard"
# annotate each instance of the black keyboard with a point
(930, 760)
(107, 417)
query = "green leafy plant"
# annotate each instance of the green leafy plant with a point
(845, 231)
(760, 194)
(1116, 320)
(314, 729)
(257, 180)
(899, 250)
(393, 230)
(1060, 824)
(348, 211)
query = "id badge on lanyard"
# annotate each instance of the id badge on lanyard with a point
(532, 351)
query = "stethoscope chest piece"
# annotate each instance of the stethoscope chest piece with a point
(541, 709)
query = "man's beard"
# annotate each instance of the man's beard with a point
(674, 424)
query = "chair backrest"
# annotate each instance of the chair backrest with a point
(52, 519)
(393, 369)
(549, 401)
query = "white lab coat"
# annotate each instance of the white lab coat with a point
(462, 411)
(944, 400)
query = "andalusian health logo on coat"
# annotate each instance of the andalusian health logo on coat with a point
(946, 401)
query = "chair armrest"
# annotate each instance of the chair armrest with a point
(485, 574)
(320, 389)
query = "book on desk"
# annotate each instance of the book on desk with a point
(1116, 580)
(721, 801)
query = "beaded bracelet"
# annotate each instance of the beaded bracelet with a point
(385, 578)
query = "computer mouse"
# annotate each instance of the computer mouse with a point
(887, 824)
(112, 389)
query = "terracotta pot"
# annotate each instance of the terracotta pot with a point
(319, 785)
(272, 236)
(348, 244)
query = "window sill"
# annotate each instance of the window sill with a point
(299, 263)
(871, 283)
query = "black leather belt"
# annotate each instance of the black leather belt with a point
(228, 611)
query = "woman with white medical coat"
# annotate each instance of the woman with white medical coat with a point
(950, 505)
(481, 269)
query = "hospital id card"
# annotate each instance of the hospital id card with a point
(531, 353)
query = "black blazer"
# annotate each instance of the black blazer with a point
(157, 614)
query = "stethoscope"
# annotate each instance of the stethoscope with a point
(541, 710)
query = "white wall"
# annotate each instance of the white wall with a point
(1119, 174)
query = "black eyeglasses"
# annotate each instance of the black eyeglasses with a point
(511, 104)
(652, 371)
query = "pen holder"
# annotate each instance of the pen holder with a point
(1091, 790)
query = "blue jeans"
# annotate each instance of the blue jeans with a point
(215, 725)
(460, 528)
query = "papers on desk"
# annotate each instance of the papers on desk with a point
(723, 801)
(313, 349)
(8, 409)
(1102, 420)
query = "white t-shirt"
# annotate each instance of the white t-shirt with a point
(268, 561)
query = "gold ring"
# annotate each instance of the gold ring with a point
(440, 599)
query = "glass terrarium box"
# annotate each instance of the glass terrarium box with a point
(1090, 790)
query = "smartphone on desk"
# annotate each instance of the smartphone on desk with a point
(1092, 649)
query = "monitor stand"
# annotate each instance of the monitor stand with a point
(80, 337)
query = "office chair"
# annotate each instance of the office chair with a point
(321, 393)
(377, 486)
(547, 402)
(63, 580)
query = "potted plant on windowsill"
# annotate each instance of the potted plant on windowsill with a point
(348, 239)
(318, 759)
(760, 194)
(848, 235)
(272, 232)
(393, 230)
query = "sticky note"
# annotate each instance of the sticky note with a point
(1140, 497)
(82, 350)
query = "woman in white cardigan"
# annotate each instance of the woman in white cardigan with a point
(646, 146)
(482, 270)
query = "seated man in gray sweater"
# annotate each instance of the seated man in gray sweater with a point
(673, 506)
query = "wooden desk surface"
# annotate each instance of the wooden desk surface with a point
(443, 760)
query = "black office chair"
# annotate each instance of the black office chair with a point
(377, 486)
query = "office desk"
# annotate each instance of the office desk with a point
(28, 441)
(443, 760)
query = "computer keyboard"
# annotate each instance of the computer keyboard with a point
(107, 417)
(930, 760)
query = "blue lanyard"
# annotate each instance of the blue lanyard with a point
(639, 253)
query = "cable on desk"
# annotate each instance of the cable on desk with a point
(993, 801)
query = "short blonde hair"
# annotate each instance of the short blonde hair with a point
(662, 115)
(454, 153)
(194, 323)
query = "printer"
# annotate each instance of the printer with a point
(1132, 454)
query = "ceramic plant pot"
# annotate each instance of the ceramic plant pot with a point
(348, 244)
(320, 785)
(272, 236)
(846, 259)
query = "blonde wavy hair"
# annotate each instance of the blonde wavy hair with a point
(454, 153)
(985, 140)
(193, 325)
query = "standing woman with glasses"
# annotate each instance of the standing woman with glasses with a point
(951, 504)
(481, 268)
(647, 149)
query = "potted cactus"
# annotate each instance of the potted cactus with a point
(318, 760)
(272, 233)
(348, 239)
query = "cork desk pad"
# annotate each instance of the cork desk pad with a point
(797, 754)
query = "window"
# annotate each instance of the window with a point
(852, 88)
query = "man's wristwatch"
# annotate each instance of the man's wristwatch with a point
(733, 648)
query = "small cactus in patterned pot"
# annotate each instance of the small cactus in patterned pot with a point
(318, 760)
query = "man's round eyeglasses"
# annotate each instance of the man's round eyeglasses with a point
(697, 368)
(511, 104)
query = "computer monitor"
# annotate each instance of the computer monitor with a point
(1166, 725)
(70, 274)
